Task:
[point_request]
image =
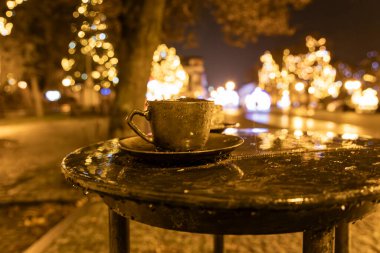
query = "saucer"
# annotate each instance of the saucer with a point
(217, 147)
(223, 126)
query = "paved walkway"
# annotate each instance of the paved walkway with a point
(33, 193)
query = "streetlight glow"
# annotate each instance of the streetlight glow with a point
(22, 84)
(351, 85)
(230, 85)
(300, 86)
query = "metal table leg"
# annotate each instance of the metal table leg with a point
(321, 241)
(342, 238)
(218, 243)
(118, 233)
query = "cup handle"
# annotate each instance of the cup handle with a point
(134, 127)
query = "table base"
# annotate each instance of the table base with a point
(118, 233)
(342, 238)
(320, 241)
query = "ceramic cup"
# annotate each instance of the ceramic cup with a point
(176, 125)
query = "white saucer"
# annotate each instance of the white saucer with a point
(217, 147)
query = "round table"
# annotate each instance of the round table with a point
(278, 181)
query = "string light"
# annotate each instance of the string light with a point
(168, 79)
(91, 41)
(310, 74)
(226, 96)
(365, 101)
(5, 25)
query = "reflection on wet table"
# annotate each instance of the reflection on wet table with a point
(280, 168)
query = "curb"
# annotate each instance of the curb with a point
(47, 239)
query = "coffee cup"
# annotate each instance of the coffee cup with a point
(177, 125)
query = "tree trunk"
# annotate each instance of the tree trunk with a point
(36, 93)
(89, 99)
(2, 103)
(137, 44)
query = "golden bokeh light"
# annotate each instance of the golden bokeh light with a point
(91, 42)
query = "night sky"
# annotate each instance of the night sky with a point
(351, 27)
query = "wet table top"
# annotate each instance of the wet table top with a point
(273, 169)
